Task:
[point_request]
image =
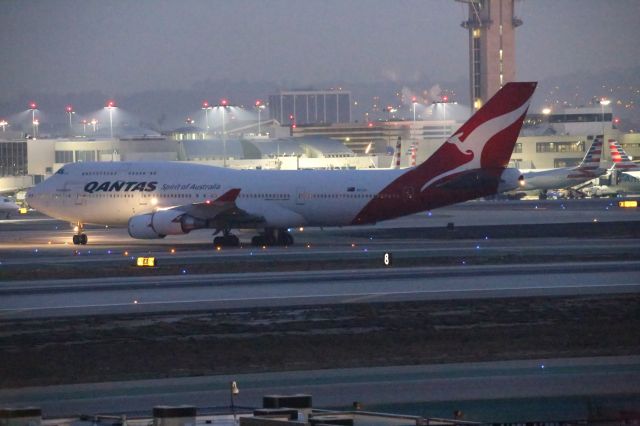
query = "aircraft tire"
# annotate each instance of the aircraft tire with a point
(229, 240)
(258, 241)
(284, 238)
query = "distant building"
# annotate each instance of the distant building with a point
(380, 137)
(310, 107)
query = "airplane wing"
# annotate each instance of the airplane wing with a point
(222, 212)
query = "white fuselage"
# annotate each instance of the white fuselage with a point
(8, 207)
(559, 178)
(111, 193)
(628, 181)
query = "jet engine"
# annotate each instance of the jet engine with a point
(511, 179)
(162, 223)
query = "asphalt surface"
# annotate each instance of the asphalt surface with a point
(505, 380)
(598, 238)
(36, 299)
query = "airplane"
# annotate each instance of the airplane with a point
(565, 177)
(156, 199)
(8, 207)
(627, 173)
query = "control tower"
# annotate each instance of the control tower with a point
(492, 57)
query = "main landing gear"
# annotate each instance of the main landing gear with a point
(226, 240)
(272, 237)
(80, 238)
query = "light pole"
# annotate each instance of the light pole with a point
(234, 391)
(36, 123)
(33, 107)
(603, 102)
(70, 111)
(110, 106)
(414, 101)
(3, 124)
(93, 123)
(260, 106)
(206, 107)
(224, 105)
(445, 99)
(84, 127)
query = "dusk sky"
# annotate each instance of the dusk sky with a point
(119, 47)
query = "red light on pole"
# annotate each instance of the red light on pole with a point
(33, 105)
(224, 102)
(69, 108)
(111, 104)
(205, 104)
(258, 103)
(445, 98)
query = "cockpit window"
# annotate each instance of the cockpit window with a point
(60, 171)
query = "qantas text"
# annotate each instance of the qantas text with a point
(120, 185)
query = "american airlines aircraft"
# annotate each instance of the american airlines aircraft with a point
(627, 172)
(566, 177)
(156, 199)
(8, 207)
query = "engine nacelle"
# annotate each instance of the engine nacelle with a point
(511, 179)
(162, 223)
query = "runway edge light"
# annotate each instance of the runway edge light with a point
(146, 261)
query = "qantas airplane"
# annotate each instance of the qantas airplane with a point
(565, 177)
(156, 199)
(8, 207)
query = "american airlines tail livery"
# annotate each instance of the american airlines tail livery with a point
(156, 199)
(620, 158)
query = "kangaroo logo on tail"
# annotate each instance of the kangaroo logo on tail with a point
(468, 165)
(476, 144)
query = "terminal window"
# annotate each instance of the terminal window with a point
(566, 162)
(13, 158)
(64, 157)
(560, 146)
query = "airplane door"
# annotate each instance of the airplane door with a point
(408, 193)
(301, 195)
(71, 194)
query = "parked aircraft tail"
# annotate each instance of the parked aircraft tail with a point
(590, 164)
(621, 161)
(591, 160)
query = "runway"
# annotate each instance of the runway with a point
(495, 385)
(32, 299)
(327, 266)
